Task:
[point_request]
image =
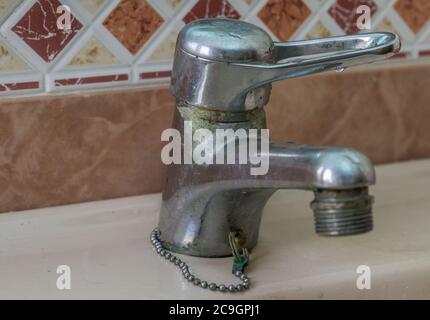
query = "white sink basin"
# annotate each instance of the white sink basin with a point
(107, 248)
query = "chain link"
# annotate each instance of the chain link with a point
(231, 288)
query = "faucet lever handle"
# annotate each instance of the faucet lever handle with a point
(299, 58)
(376, 43)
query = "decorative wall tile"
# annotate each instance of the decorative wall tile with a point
(387, 26)
(91, 80)
(167, 48)
(424, 53)
(6, 5)
(133, 22)
(38, 28)
(93, 53)
(283, 18)
(155, 75)
(92, 5)
(122, 42)
(5, 87)
(318, 31)
(414, 12)
(211, 9)
(174, 3)
(344, 12)
(10, 61)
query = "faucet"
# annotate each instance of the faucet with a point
(221, 79)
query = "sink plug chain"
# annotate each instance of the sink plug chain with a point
(239, 263)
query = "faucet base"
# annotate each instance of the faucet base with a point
(205, 232)
(342, 212)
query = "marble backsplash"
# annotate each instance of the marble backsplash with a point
(82, 107)
(89, 146)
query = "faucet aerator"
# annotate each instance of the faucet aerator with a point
(342, 212)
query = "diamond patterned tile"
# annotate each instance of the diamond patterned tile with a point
(344, 13)
(167, 48)
(133, 22)
(174, 3)
(318, 31)
(93, 53)
(211, 9)
(283, 18)
(92, 5)
(10, 61)
(414, 12)
(5, 6)
(38, 28)
(386, 26)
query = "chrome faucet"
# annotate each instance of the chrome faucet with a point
(222, 75)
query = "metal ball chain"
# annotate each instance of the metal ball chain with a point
(231, 288)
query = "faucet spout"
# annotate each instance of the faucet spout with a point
(313, 167)
(202, 204)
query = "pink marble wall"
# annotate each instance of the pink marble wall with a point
(68, 149)
(81, 147)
